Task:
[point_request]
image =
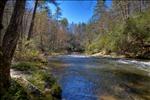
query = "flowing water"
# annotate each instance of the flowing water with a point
(99, 78)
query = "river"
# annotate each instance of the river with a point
(99, 78)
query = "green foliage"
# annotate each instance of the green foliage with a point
(40, 77)
(128, 37)
(94, 47)
(43, 80)
(26, 55)
(64, 22)
(106, 42)
(137, 33)
(22, 66)
(28, 51)
(26, 66)
(56, 90)
(37, 79)
(15, 92)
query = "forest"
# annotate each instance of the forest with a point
(30, 33)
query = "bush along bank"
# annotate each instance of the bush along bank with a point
(32, 80)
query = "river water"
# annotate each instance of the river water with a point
(99, 78)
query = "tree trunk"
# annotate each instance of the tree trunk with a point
(32, 21)
(4, 74)
(2, 7)
(9, 45)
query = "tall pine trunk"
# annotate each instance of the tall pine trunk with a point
(9, 45)
(32, 21)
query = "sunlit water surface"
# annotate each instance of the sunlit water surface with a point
(98, 78)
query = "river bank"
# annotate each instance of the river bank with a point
(115, 55)
(37, 82)
(31, 79)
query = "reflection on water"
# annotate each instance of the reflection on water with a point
(90, 78)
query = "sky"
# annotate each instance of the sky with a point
(77, 11)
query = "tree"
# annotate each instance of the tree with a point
(32, 21)
(122, 28)
(40, 3)
(64, 22)
(41, 29)
(57, 14)
(9, 45)
(99, 9)
(2, 6)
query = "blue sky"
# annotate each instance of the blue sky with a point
(77, 10)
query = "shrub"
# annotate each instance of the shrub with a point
(15, 92)
(26, 66)
(41, 79)
(56, 90)
(26, 55)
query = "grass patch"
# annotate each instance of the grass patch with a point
(41, 79)
(15, 92)
(27, 66)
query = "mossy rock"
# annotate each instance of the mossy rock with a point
(56, 91)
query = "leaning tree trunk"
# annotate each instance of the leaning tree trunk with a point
(2, 7)
(32, 21)
(9, 45)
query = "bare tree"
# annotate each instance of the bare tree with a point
(32, 21)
